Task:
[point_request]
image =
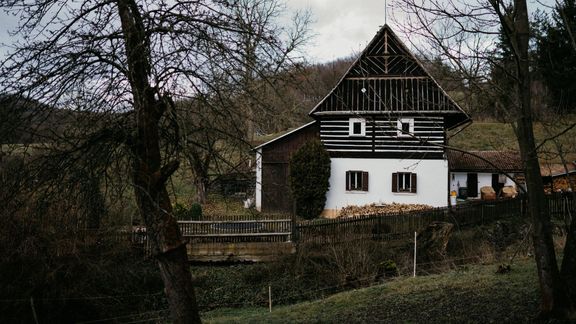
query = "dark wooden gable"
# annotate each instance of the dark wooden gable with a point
(385, 79)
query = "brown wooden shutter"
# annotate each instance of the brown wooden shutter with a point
(364, 181)
(413, 183)
(394, 182)
(347, 180)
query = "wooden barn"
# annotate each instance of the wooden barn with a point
(384, 125)
(272, 158)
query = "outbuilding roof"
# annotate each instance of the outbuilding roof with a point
(484, 161)
(556, 169)
(286, 134)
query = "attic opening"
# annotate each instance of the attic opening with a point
(405, 127)
(357, 127)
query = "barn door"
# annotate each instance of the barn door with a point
(472, 185)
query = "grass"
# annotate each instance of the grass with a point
(472, 294)
(481, 136)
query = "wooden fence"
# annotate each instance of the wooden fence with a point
(236, 231)
(403, 225)
(280, 229)
(561, 205)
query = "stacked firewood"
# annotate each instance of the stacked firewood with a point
(379, 209)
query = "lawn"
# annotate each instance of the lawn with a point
(472, 294)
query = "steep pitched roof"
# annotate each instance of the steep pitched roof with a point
(476, 161)
(387, 79)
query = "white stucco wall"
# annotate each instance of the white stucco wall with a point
(258, 190)
(458, 179)
(432, 183)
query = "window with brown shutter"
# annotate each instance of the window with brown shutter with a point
(404, 182)
(364, 181)
(356, 181)
(348, 180)
(413, 183)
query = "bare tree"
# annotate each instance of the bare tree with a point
(465, 33)
(118, 64)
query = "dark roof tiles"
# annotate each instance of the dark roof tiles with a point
(487, 161)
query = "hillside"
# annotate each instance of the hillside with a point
(486, 136)
(472, 294)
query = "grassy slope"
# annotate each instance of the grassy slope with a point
(472, 294)
(500, 136)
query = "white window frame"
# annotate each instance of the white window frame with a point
(410, 122)
(353, 121)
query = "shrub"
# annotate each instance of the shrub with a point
(309, 179)
(182, 213)
(387, 268)
(195, 211)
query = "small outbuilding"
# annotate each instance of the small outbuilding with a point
(470, 171)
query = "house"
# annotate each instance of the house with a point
(384, 126)
(470, 171)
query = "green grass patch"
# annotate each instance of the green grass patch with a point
(472, 294)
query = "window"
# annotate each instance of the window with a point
(405, 127)
(357, 127)
(404, 182)
(356, 181)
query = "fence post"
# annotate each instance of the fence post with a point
(270, 298)
(415, 242)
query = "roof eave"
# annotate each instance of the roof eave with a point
(284, 135)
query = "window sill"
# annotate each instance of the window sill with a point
(405, 193)
(356, 192)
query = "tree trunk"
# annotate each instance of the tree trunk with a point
(149, 173)
(170, 250)
(554, 302)
(200, 164)
(201, 189)
(568, 271)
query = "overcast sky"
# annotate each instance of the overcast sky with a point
(341, 27)
(344, 27)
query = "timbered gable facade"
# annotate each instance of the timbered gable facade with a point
(396, 107)
(384, 137)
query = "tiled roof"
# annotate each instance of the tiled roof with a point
(486, 161)
(556, 169)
